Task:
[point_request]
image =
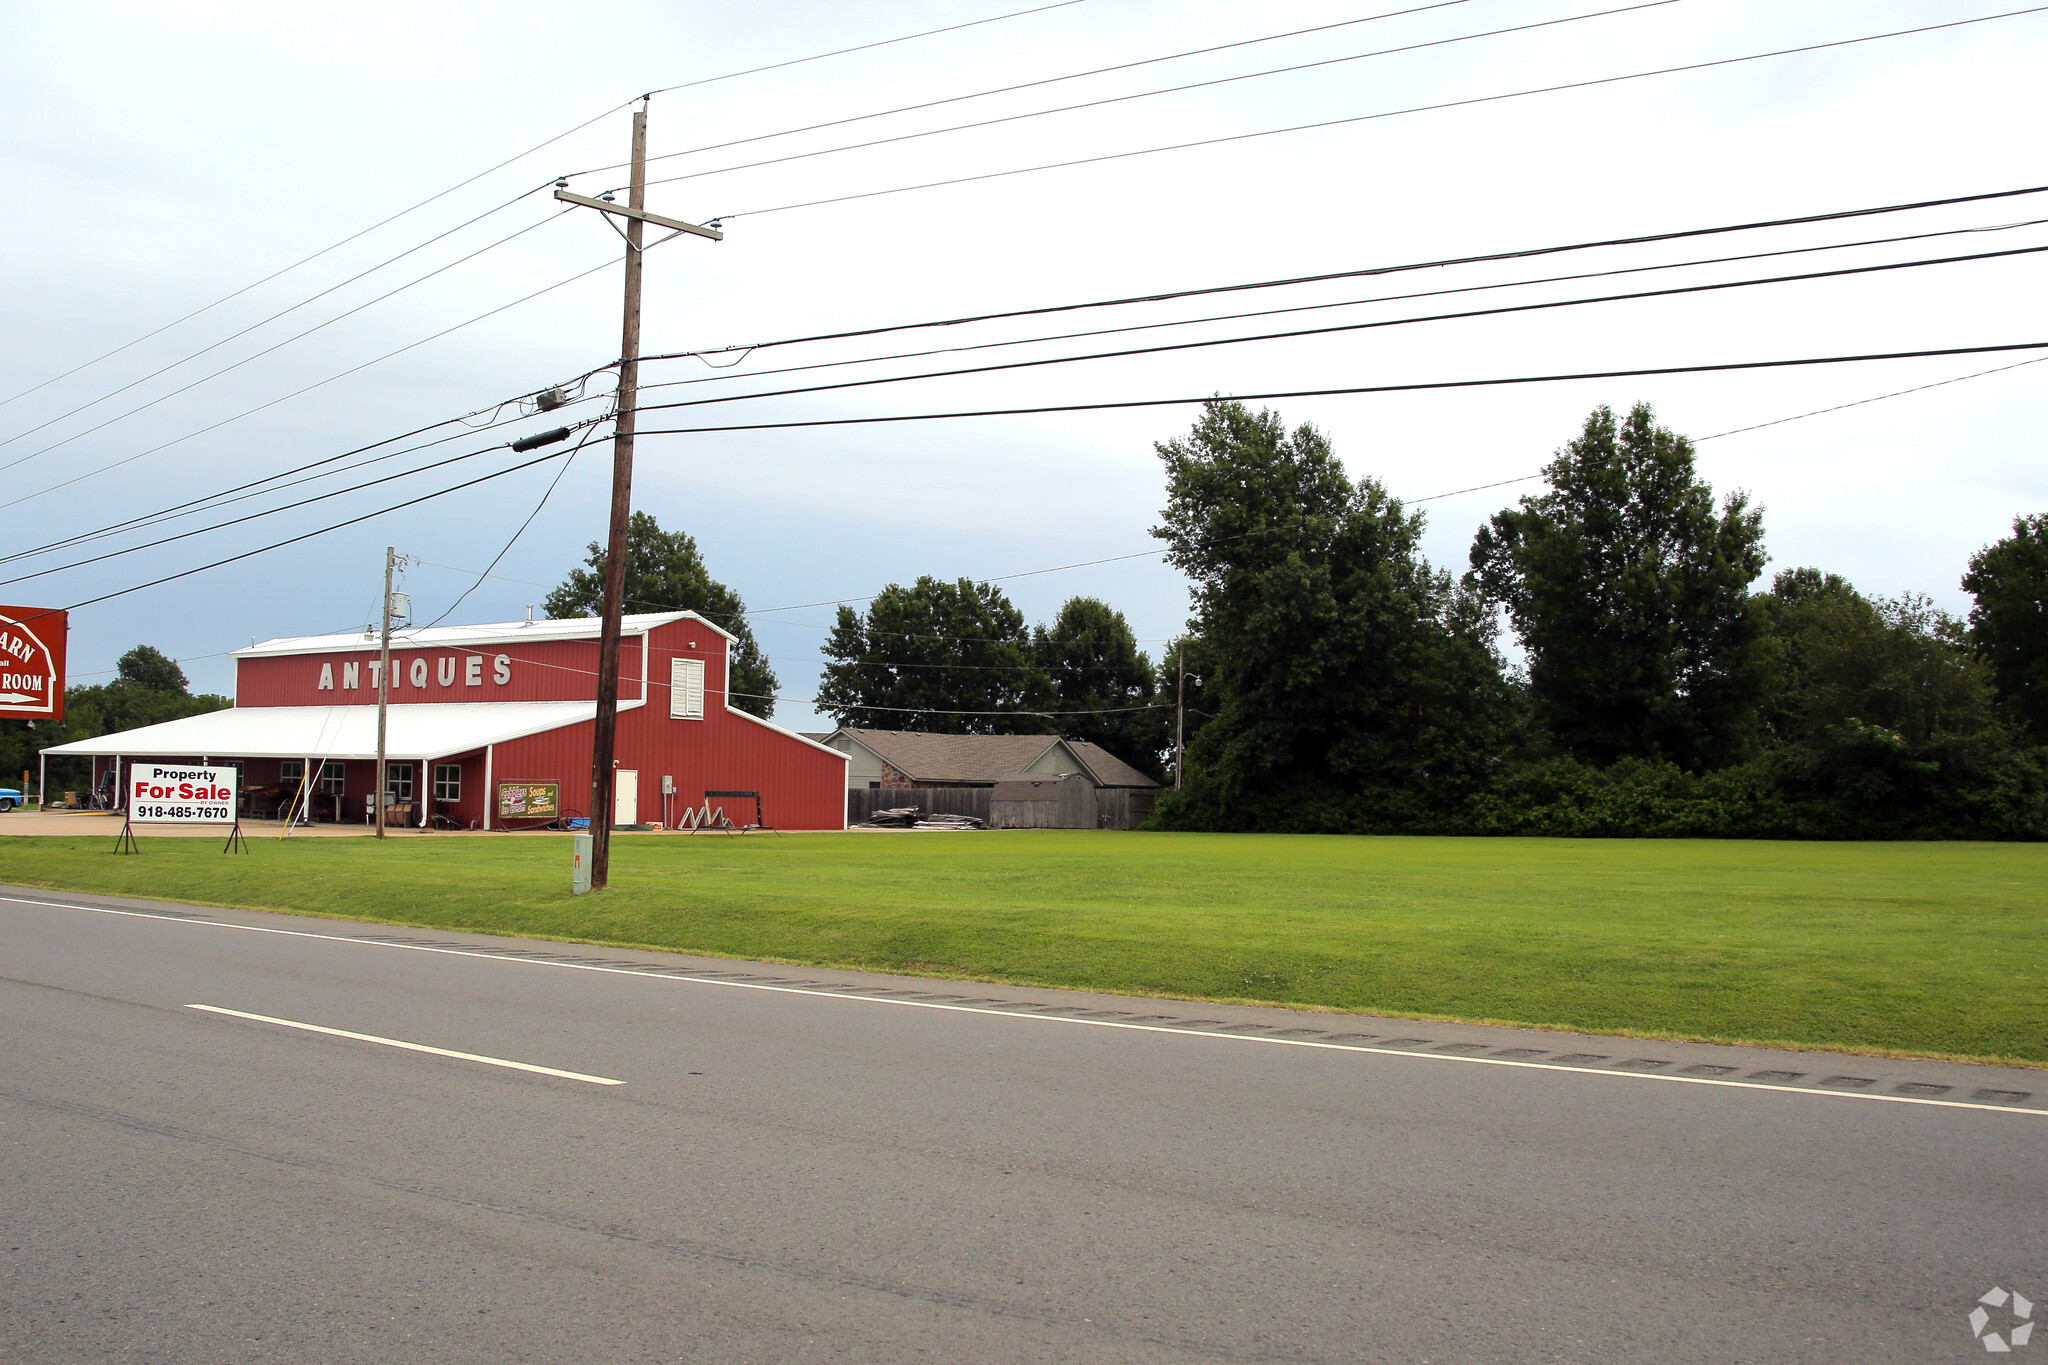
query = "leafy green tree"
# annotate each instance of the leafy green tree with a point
(1629, 591)
(1090, 660)
(1354, 686)
(1793, 620)
(2009, 623)
(665, 572)
(19, 741)
(146, 667)
(1879, 702)
(947, 658)
(148, 689)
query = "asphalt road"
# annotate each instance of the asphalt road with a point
(810, 1165)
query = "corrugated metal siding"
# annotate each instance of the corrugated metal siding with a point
(552, 756)
(801, 787)
(685, 640)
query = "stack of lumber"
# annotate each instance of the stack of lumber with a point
(910, 817)
(950, 822)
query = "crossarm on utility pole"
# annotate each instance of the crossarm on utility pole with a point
(640, 215)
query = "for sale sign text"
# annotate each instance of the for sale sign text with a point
(181, 795)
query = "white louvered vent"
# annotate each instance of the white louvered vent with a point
(686, 689)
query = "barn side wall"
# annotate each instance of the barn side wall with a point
(539, 670)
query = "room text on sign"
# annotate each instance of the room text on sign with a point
(32, 663)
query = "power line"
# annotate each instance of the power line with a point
(1092, 407)
(393, 260)
(1155, 553)
(862, 47)
(272, 482)
(205, 379)
(182, 659)
(936, 711)
(1434, 497)
(1389, 113)
(547, 493)
(1028, 85)
(1374, 324)
(309, 535)
(335, 246)
(1341, 303)
(1523, 253)
(1166, 90)
(963, 668)
(247, 412)
(1774, 422)
(1878, 398)
(1356, 389)
(993, 578)
(492, 170)
(656, 684)
(1477, 488)
(285, 507)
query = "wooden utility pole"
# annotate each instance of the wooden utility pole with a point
(604, 739)
(384, 685)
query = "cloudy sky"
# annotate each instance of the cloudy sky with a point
(160, 158)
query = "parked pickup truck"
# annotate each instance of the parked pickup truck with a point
(9, 799)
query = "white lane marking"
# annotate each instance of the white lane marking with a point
(409, 1047)
(1040, 1018)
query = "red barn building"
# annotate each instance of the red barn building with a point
(486, 722)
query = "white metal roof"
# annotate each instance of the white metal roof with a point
(431, 730)
(494, 633)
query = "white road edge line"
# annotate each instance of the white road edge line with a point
(1043, 1018)
(410, 1047)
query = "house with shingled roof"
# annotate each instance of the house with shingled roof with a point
(907, 758)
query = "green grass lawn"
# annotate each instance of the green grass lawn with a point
(1925, 948)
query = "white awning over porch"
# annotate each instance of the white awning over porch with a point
(420, 731)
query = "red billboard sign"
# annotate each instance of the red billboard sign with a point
(32, 663)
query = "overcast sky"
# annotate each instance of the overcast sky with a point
(160, 157)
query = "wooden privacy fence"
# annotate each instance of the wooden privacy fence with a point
(860, 804)
(1115, 807)
(1122, 807)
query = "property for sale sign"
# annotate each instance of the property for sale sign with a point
(181, 795)
(32, 663)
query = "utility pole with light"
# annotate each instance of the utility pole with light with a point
(603, 742)
(382, 793)
(1180, 709)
